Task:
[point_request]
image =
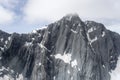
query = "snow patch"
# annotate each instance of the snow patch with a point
(28, 43)
(74, 63)
(43, 27)
(79, 24)
(1, 39)
(111, 56)
(74, 31)
(1, 73)
(42, 46)
(91, 29)
(7, 77)
(39, 35)
(115, 74)
(20, 77)
(54, 78)
(66, 26)
(3, 68)
(93, 40)
(74, 24)
(33, 39)
(103, 66)
(103, 34)
(11, 71)
(9, 38)
(78, 69)
(88, 36)
(112, 61)
(71, 78)
(7, 69)
(5, 46)
(6, 42)
(2, 48)
(39, 64)
(65, 57)
(34, 31)
(68, 71)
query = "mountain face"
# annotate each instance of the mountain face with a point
(68, 49)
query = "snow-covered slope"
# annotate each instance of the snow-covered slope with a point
(68, 49)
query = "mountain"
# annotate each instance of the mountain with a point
(68, 49)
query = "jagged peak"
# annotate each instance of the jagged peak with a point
(93, 24)
(72, 16)
(3, 32)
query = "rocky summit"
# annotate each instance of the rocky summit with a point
(68, 49)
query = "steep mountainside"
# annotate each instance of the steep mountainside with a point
(68, 49)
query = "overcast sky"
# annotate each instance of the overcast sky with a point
(26, 15)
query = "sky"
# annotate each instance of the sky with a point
(23, 16)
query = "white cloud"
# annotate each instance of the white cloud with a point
(52, 10)
(46, 11)
(6, 16)
(10, 4)
(115, 28)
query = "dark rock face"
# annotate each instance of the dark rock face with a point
(68, 49)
